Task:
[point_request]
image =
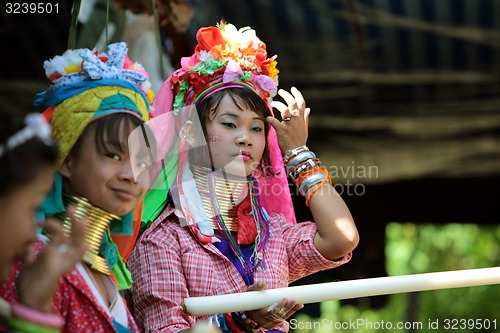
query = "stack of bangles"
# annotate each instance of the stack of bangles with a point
(305, 170)
(28, 320)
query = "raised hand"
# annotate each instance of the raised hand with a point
(40, 275)
(293, 130)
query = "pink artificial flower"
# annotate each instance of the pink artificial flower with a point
(264, 82)
(190, 62)
(127, 63)
(233, 72)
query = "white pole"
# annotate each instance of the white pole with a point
(210, 305)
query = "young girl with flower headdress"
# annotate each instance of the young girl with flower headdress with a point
(94, 103)
(227, 223)
(27, 157)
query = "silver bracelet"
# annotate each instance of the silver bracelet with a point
(308, 164)
(292, 152)
(310, 181)
(300, 158)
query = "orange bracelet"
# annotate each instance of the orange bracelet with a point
(309, 196)
(307, 173)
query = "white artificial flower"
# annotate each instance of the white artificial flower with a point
(73, 57)
(54, 65)
(145, 86)
(247, 35)
(229, 33)
(139, 67)
(206, 56)
(59, 63)
(238, 39)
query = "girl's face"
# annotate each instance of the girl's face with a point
(105, 178)
(17, 227)
(236, 137)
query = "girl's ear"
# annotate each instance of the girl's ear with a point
(188, 133)
(65, 169)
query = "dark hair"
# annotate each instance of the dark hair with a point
(20, 165)
(111, 127)
(207, 108)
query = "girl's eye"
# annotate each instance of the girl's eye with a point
(114, 156)
(257, 129)
(142, 165)
(228, 124)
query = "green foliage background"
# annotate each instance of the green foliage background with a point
(423, 248)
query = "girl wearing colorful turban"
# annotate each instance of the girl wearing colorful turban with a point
(94, 103)
(27, 157)
(219, 219)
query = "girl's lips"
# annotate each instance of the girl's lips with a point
(246, 155)
(124, 195)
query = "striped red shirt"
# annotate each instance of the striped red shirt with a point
(168, 264)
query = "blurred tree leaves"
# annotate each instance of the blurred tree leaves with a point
(422, 248)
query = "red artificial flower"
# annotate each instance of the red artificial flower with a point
(207, 38)
(260, 52)
(197, 80)
(102, 57)
(269, 67)
(174, 79)
(54, 77)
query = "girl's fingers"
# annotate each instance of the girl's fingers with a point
(279, 105)
(54, 229)
(282, 108)
(29, 256)
(289, 99)
(75, 241)
(282, 310)
(78, 229)
(261, 285)
(294, 308)
(294, 101)
(274, 122)
(299, 99)
(307, 112)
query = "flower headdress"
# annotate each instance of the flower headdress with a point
(82, 65)
(225, 54)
